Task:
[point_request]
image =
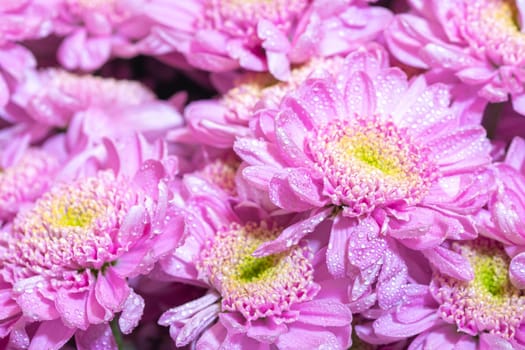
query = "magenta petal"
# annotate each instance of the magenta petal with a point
(366, 247)
(342, 229)
(450, 263)
(388, 326)
(292, 234)
(307, 338)
(265, 330)
(306, 186)
(95, 313)
(4, 92)
(72, 308)
(283, 195)
(257, 152)
(360, 95)
(34, 304)
(197, 324)
(392, 278)
(149, 175)
(51, 335)
(320, 99)
(96, 337)
(111, 290)
(259, 175)
(181, 312)
(290, 132)
(326, 313)
(517, 271)
(131, 313)
(80, 52)
(213, 338)
(489, 341)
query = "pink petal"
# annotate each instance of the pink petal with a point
(450, 263)
(257, 152)
(517, 271)
(283, 195)
(360, 95)
(326, 313)
(111, 290)
(78, 51)
(342, 229)
(96, 337)
(292, 234)
(131, 313)
(72, 308)
(290, 133)
(307, 339)
(51, 335)
(197, 324)
(388, 326)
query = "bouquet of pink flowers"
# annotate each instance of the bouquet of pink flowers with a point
(262, 174)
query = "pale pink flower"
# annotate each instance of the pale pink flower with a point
(88, 107)
(480, 41)
(221, 36)
(219, 122)
(388, 160)
(486, 312)
(25, 173)
(96, 30)
(506, 210)
(284, 300)
(66, 259)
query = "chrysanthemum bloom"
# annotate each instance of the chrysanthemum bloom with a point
(96, 30)
(487, 312)
(66, 260)
(25, 173)
(383, 158)
(506, 209)
(286, 300)
(89, 107)
(220, 36)
(219, 122)
(481, 41)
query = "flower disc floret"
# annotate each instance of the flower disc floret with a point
(372, 163)
(256, 287)
(488, 303)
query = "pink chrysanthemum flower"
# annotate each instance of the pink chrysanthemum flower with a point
(220, 121)
(383, 157)
(487, 312)
(480, 41)
(282, 300)
(506, 209)
(222, 36)
(65, 261)
(96, 30)
(24, 175)
(89, 107)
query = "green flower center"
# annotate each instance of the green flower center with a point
(253, 269)
(491, 276)
(488, 303)
(74, 216)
